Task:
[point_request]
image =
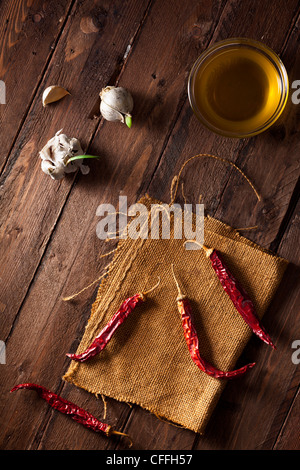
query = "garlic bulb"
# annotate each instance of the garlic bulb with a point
(116, 104)
(56, 153)
(53, 93)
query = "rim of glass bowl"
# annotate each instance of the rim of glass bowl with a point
(252, 44)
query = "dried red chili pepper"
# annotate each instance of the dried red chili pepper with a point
(238, 295)
(107, 332)
(192, 341)
(68, 408)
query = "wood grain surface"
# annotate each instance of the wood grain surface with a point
(49, 248)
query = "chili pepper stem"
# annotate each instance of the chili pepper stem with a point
(180, 294)
(112, 431)
(208, 251)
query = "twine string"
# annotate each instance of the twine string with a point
(71, 297)
(175, 181)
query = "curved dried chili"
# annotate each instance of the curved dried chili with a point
(107, 332)
(238, 295)
(192, 341)
(71, 409)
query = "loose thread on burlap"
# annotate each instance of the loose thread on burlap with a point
(164, 420)
(107, 254)
(104, 274)
(246, 228)
(104, 404)
(71, 297)
(155, 207)
(191, 241)
(174, 181)
(116, 234)
(152, 288)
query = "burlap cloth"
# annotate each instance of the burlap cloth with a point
(147, 361)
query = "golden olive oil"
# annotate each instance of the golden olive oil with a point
(237, 90)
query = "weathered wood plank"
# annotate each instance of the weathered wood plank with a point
(289, 437)
(28, 34)
(283, 433)
(81, 237)
(277, 172)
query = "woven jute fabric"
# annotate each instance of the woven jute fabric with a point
(147, 361)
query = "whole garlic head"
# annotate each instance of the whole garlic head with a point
(116, 104)
(56, 153)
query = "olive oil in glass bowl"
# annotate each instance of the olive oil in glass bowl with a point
(238, 87)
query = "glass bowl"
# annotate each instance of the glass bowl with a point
(238, 87)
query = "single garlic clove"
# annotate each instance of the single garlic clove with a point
(116, 104)
(54, 93)
(110, 114)
(47, 166)
(56, 172)
(71, 167)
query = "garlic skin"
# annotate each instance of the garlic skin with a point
(116, 104)
(56, 153)
(53, 93)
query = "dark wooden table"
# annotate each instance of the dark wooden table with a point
(49, 246)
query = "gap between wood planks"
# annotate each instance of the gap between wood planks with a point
(286, 218)
(44, 70)
(286, 419)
